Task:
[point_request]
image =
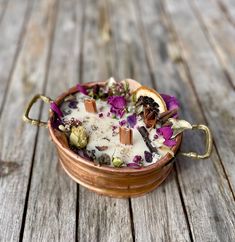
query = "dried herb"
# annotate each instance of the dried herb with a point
(104, 159)
(117, 162)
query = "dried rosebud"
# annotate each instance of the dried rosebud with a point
(73, 104)
(117, 162)
(78, 137)
(137, 159)
(104, 159)
(148, 156)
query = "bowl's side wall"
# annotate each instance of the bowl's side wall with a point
(119, 184)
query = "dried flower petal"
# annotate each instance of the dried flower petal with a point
(82, 89)
(118, 102)
(56, 109)
(170, 142)
(132, 120)
(171, 102)
(166, 132)
(73, 104)
(101, 148)
(137, 159)
(101, 115)
(123, 122)
(148, 156)
(134, 165)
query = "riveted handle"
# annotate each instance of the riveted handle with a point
(208, 143)
(26, 117)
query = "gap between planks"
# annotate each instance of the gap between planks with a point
(149, 61)
(214, 46)
(16, 55)
(21, 236)
(190, 78)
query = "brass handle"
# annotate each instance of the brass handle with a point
(26, 117)
(208, 143)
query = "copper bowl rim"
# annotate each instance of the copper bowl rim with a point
(158, 165)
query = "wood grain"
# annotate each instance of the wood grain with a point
(208, 76)
(210, 183)
(18, 143)
(100, 218)
(154, 214)
(14, 17)
(220, 32)
(51, 211)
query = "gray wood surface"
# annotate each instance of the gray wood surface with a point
(52, 193)
(184, 48)
(100, 218)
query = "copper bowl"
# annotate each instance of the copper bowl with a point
(115, 182)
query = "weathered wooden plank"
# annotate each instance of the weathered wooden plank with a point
(228, 8)
(51, 212)
(205, 189)
(157, 216)
(19, 138)
(11, 28)
(3, 6)
(214, 91)
(220, 33)
(100, 218)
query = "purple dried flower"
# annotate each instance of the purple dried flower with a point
(55, 122)
(166, 132)
(134, 165)
(170, 142)
(101, 115)
(155, 136)
(123, 122)
(82, 89)
(137, 159)
(148, 156)
(73, 104)
(56, 109)
(171, 102)
(132, 120)
(118, 104)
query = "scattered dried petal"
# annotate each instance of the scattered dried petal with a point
(101, 148)
(148, 156)
(54, 107)
(134, 165)
(132, 120)
(82, 89)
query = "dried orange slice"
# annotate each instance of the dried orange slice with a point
(148, 92)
